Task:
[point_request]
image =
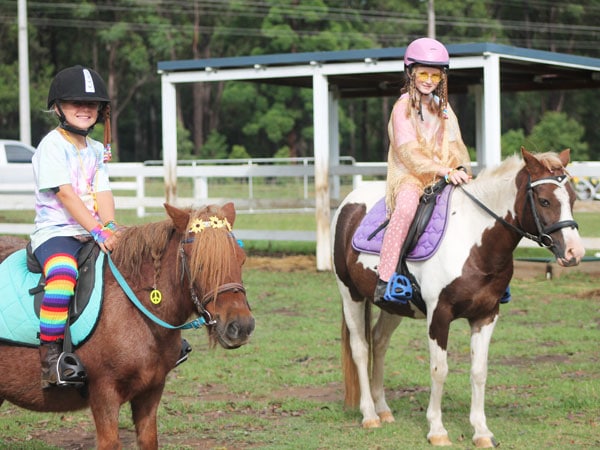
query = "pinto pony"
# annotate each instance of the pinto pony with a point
(465, 278)
(195, 262)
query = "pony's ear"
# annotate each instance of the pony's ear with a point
(533, 165)
(229, 212)
(179, 217)
(565, 156)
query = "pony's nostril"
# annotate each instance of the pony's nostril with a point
(233, 330)
(240, 330)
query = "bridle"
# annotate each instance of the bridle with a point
(542, 237)
(209, 296)
(205, 317)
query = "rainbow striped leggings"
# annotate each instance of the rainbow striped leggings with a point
(58, 257)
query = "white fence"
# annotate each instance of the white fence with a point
(16, 187)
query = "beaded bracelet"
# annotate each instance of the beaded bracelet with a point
(111, 225)
(447, 176)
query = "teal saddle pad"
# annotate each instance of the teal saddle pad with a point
(19, 323)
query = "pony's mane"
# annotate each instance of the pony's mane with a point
(511, 165)
(507, 169)
(209, 261)
(140, 242)
(490, 181)
(214, 251)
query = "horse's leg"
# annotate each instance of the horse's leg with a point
(354, 316)
(105, 405)
(382, 332)
(438, 368)
(144, 408)
(481, 335)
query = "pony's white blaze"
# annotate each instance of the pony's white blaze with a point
(574, 248)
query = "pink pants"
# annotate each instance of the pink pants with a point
(407, 201)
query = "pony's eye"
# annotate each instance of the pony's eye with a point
(544, 203)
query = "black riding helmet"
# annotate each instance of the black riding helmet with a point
(78, 83)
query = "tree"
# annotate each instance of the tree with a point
(555, 132)
(125, 39)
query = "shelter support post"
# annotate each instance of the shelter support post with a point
(477, 91)
(169, 140)
(490, 154)
(322, 140)
(334, 141)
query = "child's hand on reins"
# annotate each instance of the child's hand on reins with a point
(457, 176)
(104, 237)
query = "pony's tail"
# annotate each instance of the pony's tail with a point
(350, 374)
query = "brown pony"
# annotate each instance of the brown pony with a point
(465, 278)
(196, 263)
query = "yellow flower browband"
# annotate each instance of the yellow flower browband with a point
(198, 225)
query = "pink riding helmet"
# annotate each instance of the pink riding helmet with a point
(428, 52)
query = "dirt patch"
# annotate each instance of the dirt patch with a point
(586, 206)
(523, 269)
(293, 263)
(533, 269)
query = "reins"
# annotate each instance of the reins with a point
(205, 318)
(196, 323)
(543, 238)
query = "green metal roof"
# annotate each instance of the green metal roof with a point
(521, 69)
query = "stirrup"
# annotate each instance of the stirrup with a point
(70, 370)
(399, 289)
(506, 297)
(186, 348)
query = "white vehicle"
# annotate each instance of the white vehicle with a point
(16, 173)
(15, 152)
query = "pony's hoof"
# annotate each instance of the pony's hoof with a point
(386, 417)
(371, 423)
(440, 441)
(485, 442)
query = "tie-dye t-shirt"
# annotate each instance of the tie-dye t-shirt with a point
(57, 162)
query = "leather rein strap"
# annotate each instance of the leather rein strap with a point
(196, 323)
(543, 237)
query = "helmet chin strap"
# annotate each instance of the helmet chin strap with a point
(71, 129)
(65, 126)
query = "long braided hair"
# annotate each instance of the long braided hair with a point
(441, 91)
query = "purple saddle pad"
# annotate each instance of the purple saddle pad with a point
(428, 242)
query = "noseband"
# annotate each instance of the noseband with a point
(208, 297)
(543, 237)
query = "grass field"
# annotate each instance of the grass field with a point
(284, 389)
